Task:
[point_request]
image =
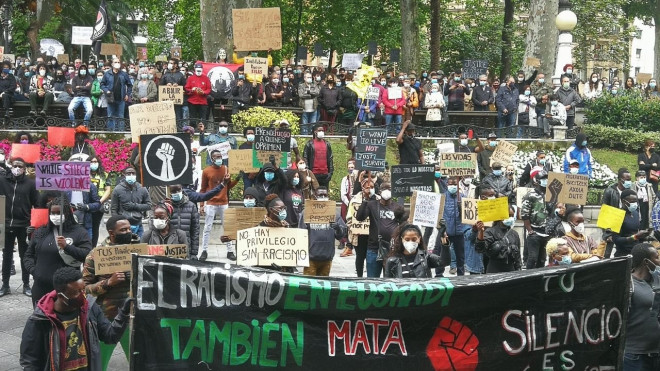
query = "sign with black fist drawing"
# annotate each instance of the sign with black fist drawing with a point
(166, 159)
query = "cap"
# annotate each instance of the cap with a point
(573, 162)
(198, 65)
(410, 126)
(492, 136)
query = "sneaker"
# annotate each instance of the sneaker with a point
(27, 291)
(13, 269)
(346, 252)
(452, 270)
(231, 256)
(42, 113)
(5, 290)
(203, 256)
(33, 113)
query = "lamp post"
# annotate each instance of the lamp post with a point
(565, 21)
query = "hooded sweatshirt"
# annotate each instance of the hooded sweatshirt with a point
(580, 153)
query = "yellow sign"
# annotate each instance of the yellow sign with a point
(611, 218)
(493, 210)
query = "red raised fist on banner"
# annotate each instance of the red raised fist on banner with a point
(453, 347)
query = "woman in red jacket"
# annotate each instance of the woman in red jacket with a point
(394, 102)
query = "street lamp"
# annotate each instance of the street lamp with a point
(566, 21)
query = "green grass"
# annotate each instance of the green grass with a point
(616, 159)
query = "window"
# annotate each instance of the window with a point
(638, 34)
(638, 53)
(636, 71)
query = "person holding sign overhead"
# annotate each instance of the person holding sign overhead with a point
(394, 102)
(410, 148)
(322, 241)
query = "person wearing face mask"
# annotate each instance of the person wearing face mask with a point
(541, 161)
(500, 243)
(576, 239)
(358, 231)
(456, 90)
(50, 250)
(631, 233)
(649, 161)
(348, 98)
(329, 99)
(145, 90)
(411, 99)
(434, 102)
(394, 102)
(322, 241)
(212, 140)
(248, 178)
(41, 90)
(81, 85)
(292, 196)
(22, 92)
(555, 113)
(506, 102)
(173, 77)
(308, 91)
(347, 186)
(526, 108)
(410, 148)
(461, 146)
(185, 217)
(308, 182)
(579, 152)
(646, 196)
(162, 232)
(81, 150)
(574, 78)
(483, 158)
(242, 93)
(612, 195)
(542, 91)
(482, 95)
(117, 87)
(110, 290)
(453, 231)
(318, 156)
(409, 257)
(652, 91)
(104, 186)
(7, 88)
(498, 181)
(99, 101)
(65, 313)
(594, 88)
(569, 98)
(534, 212)
(131, 200)
(197, 88)
(275, 212)
(274, 90)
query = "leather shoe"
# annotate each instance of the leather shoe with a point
(203, 256)
(231, 256)
(346, 252)
(5, 290)
(27, 291)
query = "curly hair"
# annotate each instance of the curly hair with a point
(270, 199)
(552, 247)
(397, 242)
(65, 275)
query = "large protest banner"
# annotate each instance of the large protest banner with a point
(409, 178)
(166, 159)
(264, 246)
(257, 29)
(62, 175)
(370, 149)
(228, 317)
(152, 118)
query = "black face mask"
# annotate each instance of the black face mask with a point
(124, 238)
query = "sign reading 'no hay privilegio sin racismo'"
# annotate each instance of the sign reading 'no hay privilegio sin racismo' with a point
(221, 316)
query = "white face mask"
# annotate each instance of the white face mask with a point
(579, 228)
(410, 246)
(56, 219)
(595, 79)
(160, 223)
(302, 166)
(198, 72)
(42, 72)
(170, 66)
(467, 181)
(464, 142)
(320, 134)
(574, 170)
(2, 158)
(116, 66)
(386, 194)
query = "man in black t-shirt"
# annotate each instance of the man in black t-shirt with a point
(410, 148)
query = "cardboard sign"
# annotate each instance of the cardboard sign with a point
(493, 210)
(426, 209)
(160, 58)
(409, 178)
(610, 218)
(172, 251)
(352, 61)
(470, 212)
(256, 66)
(63, 175)
(170, 93)
(223, 147)
(372, 93)
(111, 259)
(112, 49)
(241, 160)
(11, 58)
(31, 153)
(260, 158)
(152, 118)
(166, 159)
(643, 77)
(142, 53)
(240, 218)
(567, 188)
(358, 227)
(264, 246)
(62, 59)
(473, 68)
(272, 139)
(503, 153)
(81, 35)
(394, 93)
(370, 149)
(175, 52)
(257, 29)
(320, 212)
(65, 137)
(521, 192)
(533, 62)
(458, 164)
(39, 217)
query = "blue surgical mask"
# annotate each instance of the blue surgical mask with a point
(527, 93)
(627, 184)
(565, 260)
(642, 181)
(633, 206)
(295, 181)
(222, 130)
(285, 79)
(241, 77)
(434, 81)
(93, 166)
(250, 202)
(282, 215)
(542, 161)
(543, 183)
(269, 176)
(493, 143)
(541, 81)
(509, 221)
(438, 174)
(424, 74)
(452, 189)
(130, 179)
(584, 143)
(176, 197)
(250, 137)
(218, 162)
(497, 172)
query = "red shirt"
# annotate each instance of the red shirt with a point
(201, 82)
(320, 157)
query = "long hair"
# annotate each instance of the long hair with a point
(396, 249)
(68, 222)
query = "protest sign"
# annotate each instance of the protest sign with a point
(426, 209)
(370, 149)
(395, 55)
(357, 227)
(170, 93)
(458, 164)
(179, 251)
(81, 35)
(237, 219)
(567, 188)
(189, 313)
(152, 118)
(445, 147)
(160, 58)
(503, 153)
(394, 93)
(65, 137)
(372, 47)
(260, 158)
(222, 147)
(117, 258)
(470, 210)
(352, 61)
(241, 160)
(175, 52)
(62, 175)
(320, 212)
(372, 93)
(521, 192)
(272, 139)
(11, 58)
(257, 29)
(409, 178)
(533, 62)
(493, 210)
(301, 53)
(166, 159)
(643, 77)
(39, 217)
(112, 49)
(318, 49)
(62, 59)
(264, 246)
(610, 218)
(473, 68)
(31, 153)
(142, 53)
(256, 66)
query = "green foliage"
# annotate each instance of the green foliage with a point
(627, 111)
(630, 140)
(259, 116)
(616, 159)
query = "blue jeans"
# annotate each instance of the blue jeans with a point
(374, 267)
(137, 229)
(76, 102)
(393, 119)
(504, 121)
(116, 110)
(641, 362)
(308, 118)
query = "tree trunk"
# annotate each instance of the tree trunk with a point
(409, 36)
(435, 35)
(507, 30)
(626, 51)
(541, 41)
(656, 69)
(45, 10)
(215, 19)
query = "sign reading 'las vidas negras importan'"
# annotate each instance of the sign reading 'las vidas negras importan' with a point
(222, 316)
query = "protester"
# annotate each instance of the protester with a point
(526, 108)
(81, 85)
(646, 197)
(394, 102)
(173, 77)
(434, 103)
(84, 204)
(7, 88)
(162, 231)
(652, 91)
(81, 150)
(104, 187)
(308, 91)
(456, 90)
(270, 180)
(569, 98)
(501, 243)
(358, 240)
(482, 95)
(215, 139)
(145, 90)
(185, 217)
(322, 241)
(594, 88)
(99, 101)
(454, 229)
(348, 100)
(534, 213)
(649, 162)
(198, 88)
(576, 239)
(579, 152)
(41, 90)
(66, 328)
(497, 181)
(410, 148)
(131, 200)
(409, 257)
(308, 182)
(506, 102)
(346, 190)
(483, 158)
(117, 86)
(630, 233)
(540, 161)
(318, 155)
(275, 212)
(328, 100)
(293, 199)
(558, 252)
